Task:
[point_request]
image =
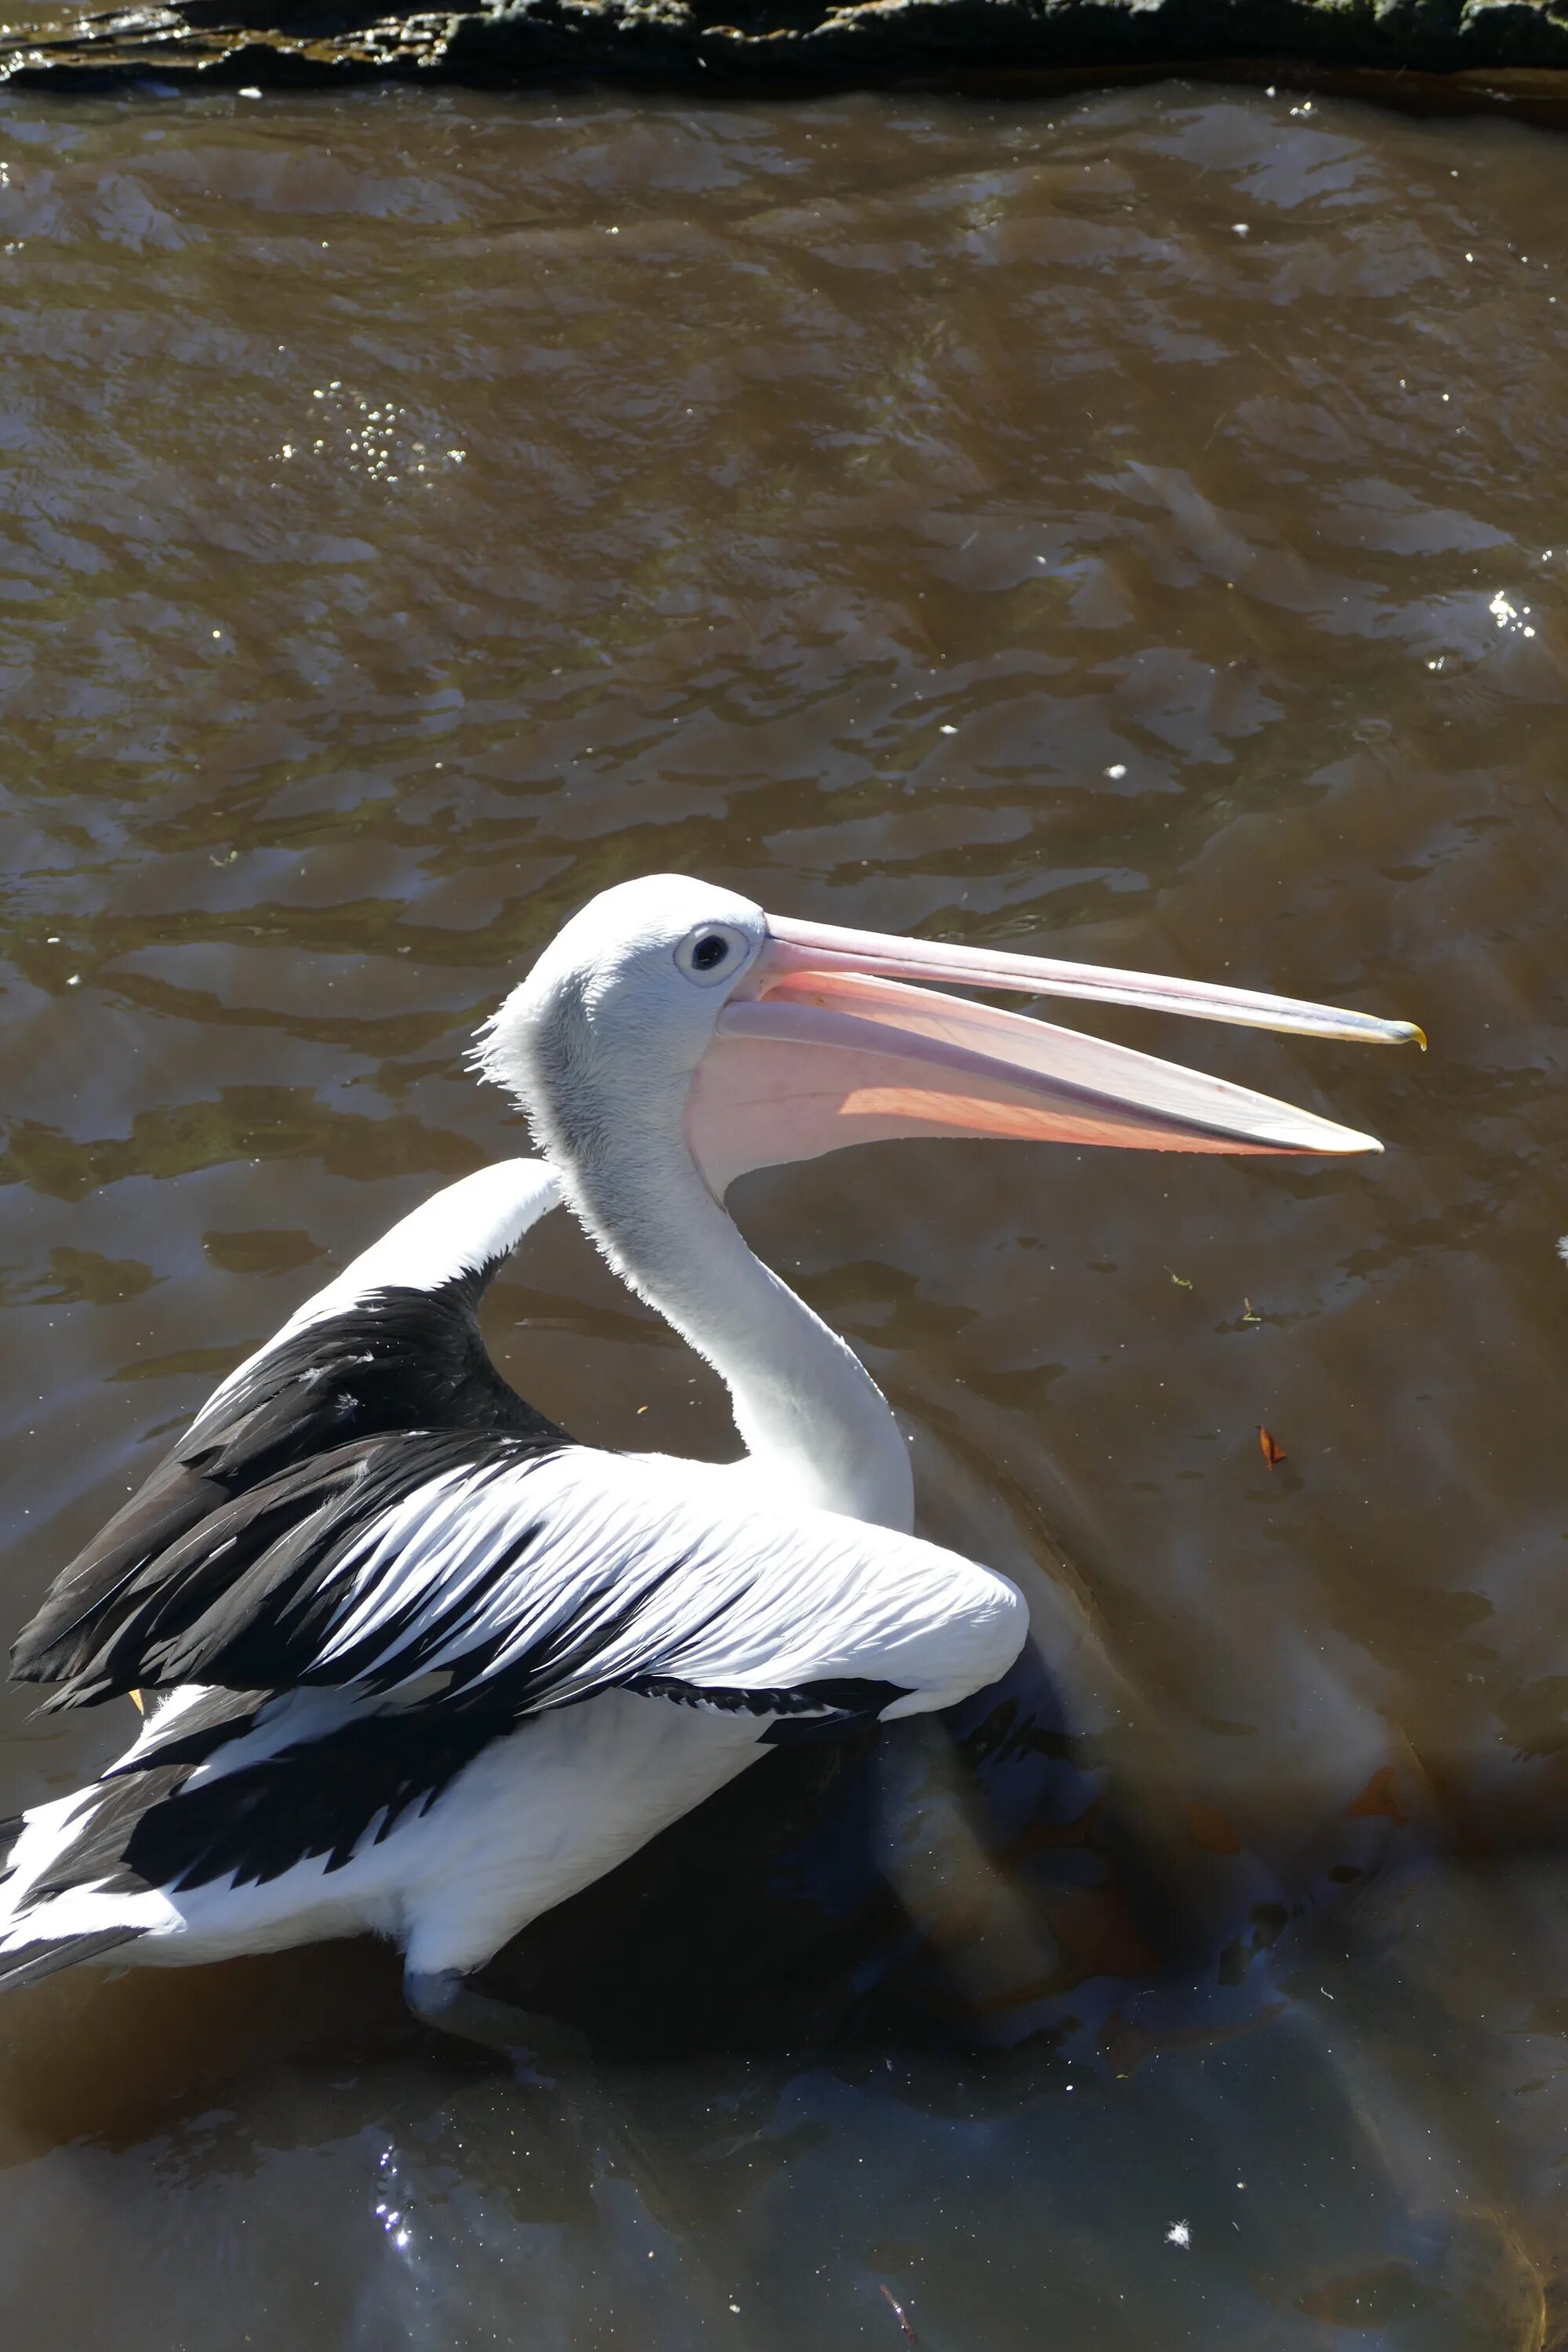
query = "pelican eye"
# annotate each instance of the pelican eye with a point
(714, 952)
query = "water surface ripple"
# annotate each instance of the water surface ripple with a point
(1129, 528)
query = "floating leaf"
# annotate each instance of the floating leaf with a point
(1179, 1279)
(1247, 1314)
(1273, 1454)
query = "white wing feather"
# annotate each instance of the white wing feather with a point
(633, 1563)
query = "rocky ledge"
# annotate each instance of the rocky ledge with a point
(1437, 52)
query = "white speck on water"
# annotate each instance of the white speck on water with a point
(1178, 2234)
(250, 93)
(1117, 772)
(947, 730)
(1563, 1248)
(1242, 229)
(75, 980)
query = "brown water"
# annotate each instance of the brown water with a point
(1131, 526)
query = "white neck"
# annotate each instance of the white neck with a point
(817, 1429)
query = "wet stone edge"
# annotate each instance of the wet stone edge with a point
(1431, 53)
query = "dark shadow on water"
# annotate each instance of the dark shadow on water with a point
(801, 2077)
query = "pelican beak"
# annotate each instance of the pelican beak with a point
(828, 1043)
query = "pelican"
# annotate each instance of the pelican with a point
(418, 1663)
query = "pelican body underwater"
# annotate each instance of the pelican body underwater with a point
(415, 1662)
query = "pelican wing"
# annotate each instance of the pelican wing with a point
(448, 1570)
(393, 1343)
(348, 1637)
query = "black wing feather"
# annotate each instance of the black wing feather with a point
(240, 1598)
(35, 1961)
(397, 1360)
(149, 1828)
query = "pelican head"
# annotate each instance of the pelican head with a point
(687, 1011)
